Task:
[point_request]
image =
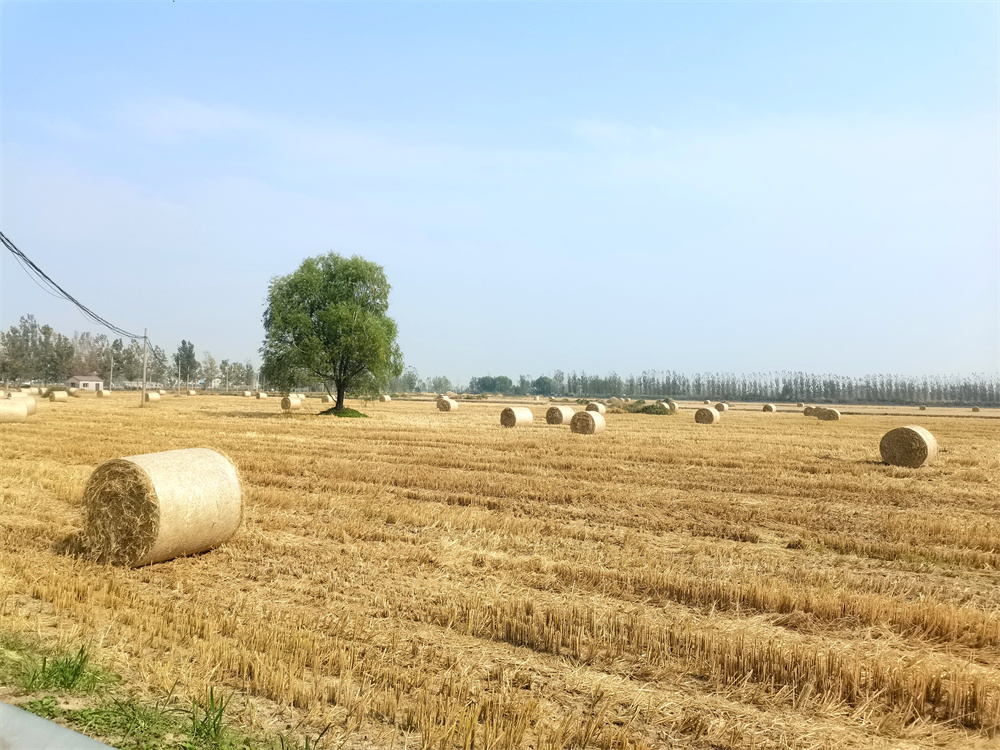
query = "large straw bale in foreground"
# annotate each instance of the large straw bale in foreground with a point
(152, 396)
(769, 408)
(597, 406)
(911, 446)
(827, 415)
(154, 507)
(447, 404)
(559, 415)
(58, 396)
(13, 410)
(587, 423)
(291, 403)
(707, 415)
(383, 398)
(516, 416)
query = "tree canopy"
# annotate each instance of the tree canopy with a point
(328, 321)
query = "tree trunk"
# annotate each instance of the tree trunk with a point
(340, 397)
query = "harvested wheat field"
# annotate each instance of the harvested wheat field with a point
(422, 579)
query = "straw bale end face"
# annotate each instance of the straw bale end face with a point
(809, 411)
(707, 416)
(598, 407)
(769, 408)
(158, 506)
(911, 446)
(516, 416)
(587, 423)
(559, 415)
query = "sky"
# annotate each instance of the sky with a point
(599, 187)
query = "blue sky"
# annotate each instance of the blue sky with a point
(700, 187)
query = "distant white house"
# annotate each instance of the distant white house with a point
(89, 382)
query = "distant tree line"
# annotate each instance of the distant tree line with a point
(32, 352)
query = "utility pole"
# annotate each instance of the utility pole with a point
(145, 348)
(111, 380)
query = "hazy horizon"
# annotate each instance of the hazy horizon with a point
(751, 188)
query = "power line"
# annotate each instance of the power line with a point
(57, 291)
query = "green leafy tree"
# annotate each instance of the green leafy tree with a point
(328, 321)
(20, 351)
(186, 362)
(57, 356)
(209, 370)
(543, 386)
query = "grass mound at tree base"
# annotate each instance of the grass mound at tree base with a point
(345, 412)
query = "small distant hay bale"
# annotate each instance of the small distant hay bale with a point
(587, 422)
(384, 398)
(447, 404)
(707, 416)
(291, 403)
(721, 407)
(101, 393)
(158, 506)
(671, 405)
(975, 408)
(770, 408)
(516, 416)
(261, 394)
(326, 399)
(73, 391)
(911, 446)
(13, 410)
(706, 401)
(627, 400)
(192, 392)
(162, 392)
(150, 396)
(827, 415)
(598, 407)
(923, 408)
(559, 415)
(799, 405)
(58, 396)
(809, 411)
(247, 394)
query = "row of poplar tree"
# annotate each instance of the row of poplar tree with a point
(32, 352)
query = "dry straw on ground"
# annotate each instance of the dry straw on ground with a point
(516, 416)
(721, 407)
(559, 415)
(707, 416)
(769, 408)
(13, 410)
(587, 423)
(447, 404)
(152, 396)
(291, 403)
(911, 446)
(58, 396)
(597, 406)
(827, 415)
(383, 398)
(158, 506)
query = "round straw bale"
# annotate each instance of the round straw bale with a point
(587, 422)
(261, 394)
(827, 415)
(809, 411)
(597, 406)
(162, 392)
(288, 403)
(13, 410)
(721, 407)
(516, 416)
(447, 404)
(383, 398)
(559, 415)
(800, 405)
(923, 408)
(975, 408)
(154, 507)
(191, 392)
(101, 393)
(30, 403)
(909, 446)
(75, 392)
(671, 404)
(58, 396)
(152, 396)
(706, 401)
(769, 408)
(326, 399)
(247, 394)
(707, 416)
